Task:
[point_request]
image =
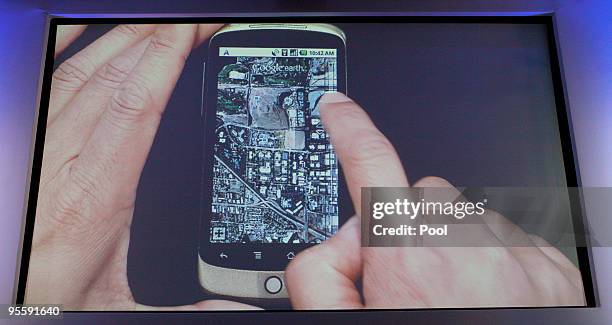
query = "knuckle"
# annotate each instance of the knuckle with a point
(115, 72)
(163, 42)
(76, 200)
(130, 30)
(130, 102)
(85, 183)
(73, 73)
(67, 209)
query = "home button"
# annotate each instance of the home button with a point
(273, 284)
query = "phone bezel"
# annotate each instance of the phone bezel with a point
(241, 256)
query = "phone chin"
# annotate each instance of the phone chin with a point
(241, 283)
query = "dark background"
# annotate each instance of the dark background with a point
(472, 103)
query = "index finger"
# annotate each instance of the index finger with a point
(367, 157)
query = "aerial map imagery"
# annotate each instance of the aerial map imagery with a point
(275, 174)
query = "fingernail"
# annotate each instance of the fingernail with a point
(331, 97)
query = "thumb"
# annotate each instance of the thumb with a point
(324, 276)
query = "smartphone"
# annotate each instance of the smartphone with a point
(271, 183)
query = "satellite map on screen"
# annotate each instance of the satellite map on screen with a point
(275, 174)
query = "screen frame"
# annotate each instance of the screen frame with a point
(563, 116)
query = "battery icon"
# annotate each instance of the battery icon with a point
(303, 52)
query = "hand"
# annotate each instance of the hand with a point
(324, 276)
(105, 106)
